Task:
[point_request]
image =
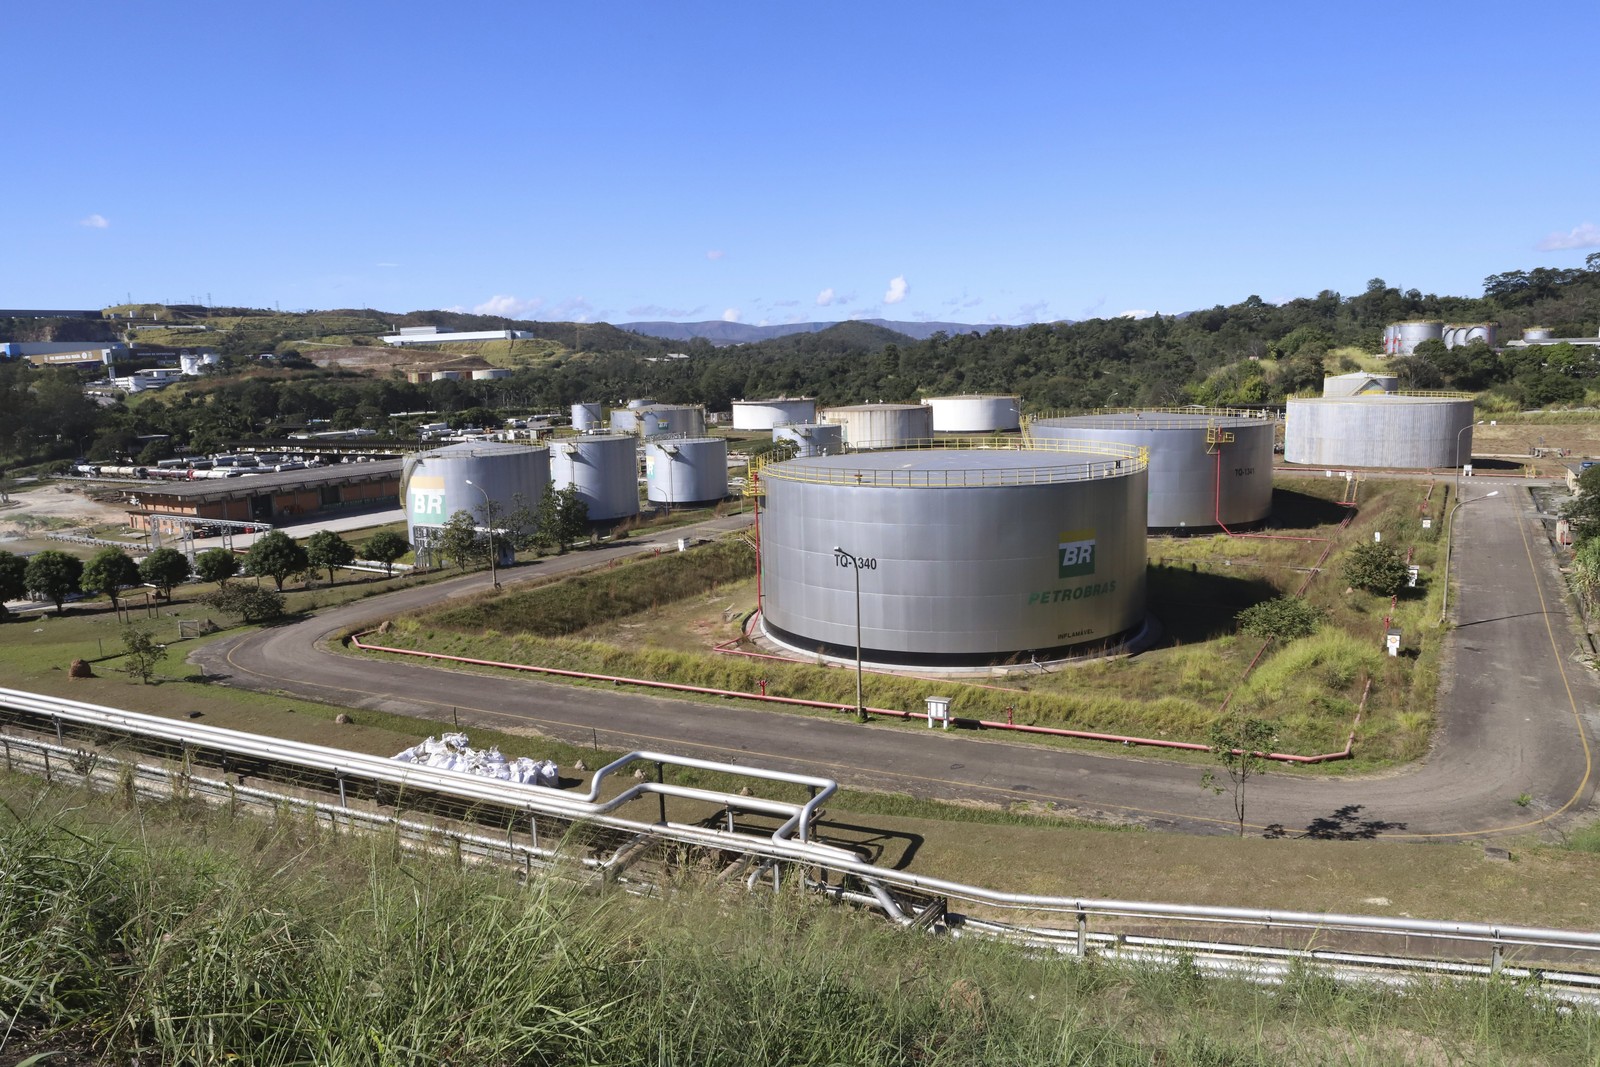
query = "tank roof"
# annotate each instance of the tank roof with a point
(1385, 398)
(477, 448)
(877, 407)
(662, 442)
(781, 400)
(974, 396)
(1155, 420)
(965, 467)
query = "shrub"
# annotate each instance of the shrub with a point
(249, 603)
(1283, 618)
(1375, 567)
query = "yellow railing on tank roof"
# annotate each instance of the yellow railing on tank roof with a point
(1110, 460)
(1140, 418)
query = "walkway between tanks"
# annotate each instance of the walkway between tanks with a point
(1516, 720)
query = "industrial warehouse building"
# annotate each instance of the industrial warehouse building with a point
(286, 496)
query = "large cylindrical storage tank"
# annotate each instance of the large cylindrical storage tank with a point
(1390, 430)
(770, 414)
(881, 425)
(1207, 469)
(625, 420)
(587, 417)
(660, 419)
(964, 556)
(1411, 334)
(490, 374)
(1538, 333)
(684, 471)
(812, 439)
(975, 413)
(1359, 382)
(442, 481)
(640, 402)
(1487, 332)
(1391, 340)
(604, 468)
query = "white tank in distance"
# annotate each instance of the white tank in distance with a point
(770, 414)
(680, 472)
(975, 413)
(587, 416)
(604, 468)
(812, 439)
(474, 477)
(881, 425)
(1392, 430)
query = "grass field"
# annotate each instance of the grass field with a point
(167, 933)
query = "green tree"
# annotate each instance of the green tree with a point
(1582, 512)
(1586, 573)
(1375, 567)
(385, 547)
(1282, 618)
(54, 575)
(248, 602)
(275, 556)
(142, 652)
(12, 585)
(216, 565)
(1240, 746)
(327, 550)
(564, 517)
(165, 568)
(108, 571)
(459, 541)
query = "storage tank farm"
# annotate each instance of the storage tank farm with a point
(604, 468)
(975, 413)
(440, 482)
(652, 420)
(994, 552)
(1208, 467)
(586, 417)
(1398, 430)
(770, 414)
(881, 425)
(686, 471)
(812, 439)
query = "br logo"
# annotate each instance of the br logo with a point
(1075, 553)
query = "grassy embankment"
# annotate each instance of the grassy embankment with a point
(658, 618)
(167, 933)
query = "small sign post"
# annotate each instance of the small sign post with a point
(938, 711)
(1391, 641)
(1412, 573)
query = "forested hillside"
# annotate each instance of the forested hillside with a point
(1244, 353)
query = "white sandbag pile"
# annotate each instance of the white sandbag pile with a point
(451, 752)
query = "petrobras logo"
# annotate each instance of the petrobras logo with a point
(1075, 553)
(427, 500)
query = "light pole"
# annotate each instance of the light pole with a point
(1459, 468)
(488, 514)
(1449, 538)
(849, 559)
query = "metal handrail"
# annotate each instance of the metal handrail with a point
(1125, 459)
(825, 860)
(1253, 414)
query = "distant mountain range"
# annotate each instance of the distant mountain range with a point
(737, 333)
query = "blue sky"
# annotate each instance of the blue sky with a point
(785, 162)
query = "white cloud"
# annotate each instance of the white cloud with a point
(572, 309)
(656, 311)
(94, 222)
(1585, 236)
(509, 307)
(824, 298)
(786, 303)
(1033, 312)
(897, 290)
(731, 315)
(1136, 313)
(715, 254)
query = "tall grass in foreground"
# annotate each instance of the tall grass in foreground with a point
(180, 935)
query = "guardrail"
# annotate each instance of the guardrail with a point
(1061, 461)
(1262, 944)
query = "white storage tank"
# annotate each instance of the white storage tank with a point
(490, 374)
(975, 413)
(686, 471)
(1358, 383)
(1538, 333)
(1395, 430)
(1408, 335)
(657, 419)
(605, 470)
(770, 414)
(812, 439)
(442, 481)
(587, 417)
(964, 556)
(640, 402)
(1208, 468)
(881, 425)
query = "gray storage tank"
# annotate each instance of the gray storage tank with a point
(1391, 430)
(1359, 383)
(965, 556)
(1408, 335)
(686, 471)
(604, 468)
(770, 414)
(1538, 333)
(587, 417)
(881, 425)
(442, 481)
(812, 439)
(975, 413)
(1207, 467)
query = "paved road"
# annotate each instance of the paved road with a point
(1516, 721)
